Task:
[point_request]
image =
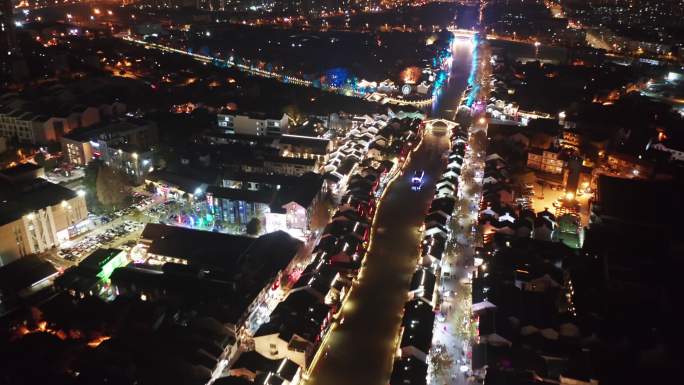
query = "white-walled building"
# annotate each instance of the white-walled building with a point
(35, 120)
(253, 123)
(36, 216)
(295, 329)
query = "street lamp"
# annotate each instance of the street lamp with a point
(136, 165)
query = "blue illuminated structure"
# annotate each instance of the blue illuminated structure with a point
(336, 77)
(444, 58)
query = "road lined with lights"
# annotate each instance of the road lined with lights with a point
(372, 97)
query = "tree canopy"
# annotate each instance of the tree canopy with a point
(253, 226)
(111, 187)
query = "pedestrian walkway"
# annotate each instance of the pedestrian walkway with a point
(450, 356)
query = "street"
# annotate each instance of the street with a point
(361, 349)
(450, 359)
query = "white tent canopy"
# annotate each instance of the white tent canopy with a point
(549, 334)
(569, 330)
(481, 306)
(528, 330)
(496, 340)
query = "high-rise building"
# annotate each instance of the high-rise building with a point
(9, 37)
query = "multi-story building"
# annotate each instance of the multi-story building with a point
(135, 161)
(253, 123)
(293, 146)
(295, 329)
(630, 165)
(284, 165)
(27, 127)
(28, 120)
(123, 144)
(289, 205)
(571, 140)
(670, 142)
(37, 215)
(545, 161)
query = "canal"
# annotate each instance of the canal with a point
(360, 350)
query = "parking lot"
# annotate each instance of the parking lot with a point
(122, 228)
(75, 251)
(119, 229)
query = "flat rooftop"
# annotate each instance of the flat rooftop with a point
(85, 134)
(229, 252)
(195, 246)
(317, 145)
(23, 273)
(18, 200)
(20, 169)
